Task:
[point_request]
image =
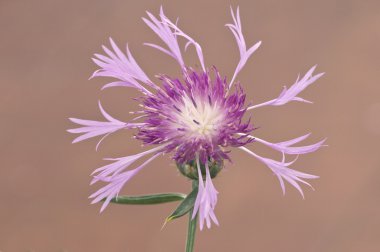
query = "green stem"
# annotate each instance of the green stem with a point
(150, 199)
(192, 227)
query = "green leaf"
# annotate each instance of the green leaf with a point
(149, 199)
(185, 206)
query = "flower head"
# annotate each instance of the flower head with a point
(196, 118)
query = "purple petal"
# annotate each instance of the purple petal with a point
(190, 40)
(287, 148)
(236, 30)
(162, 29)
(118, 84)
(295, 140)
(97, 128)
(281, 170)
(116, 183)
(122, 67)
(206, 199)
(296, 88)
(288, 95)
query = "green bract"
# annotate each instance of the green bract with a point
(190, 169)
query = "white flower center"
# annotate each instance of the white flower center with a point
(200, 118)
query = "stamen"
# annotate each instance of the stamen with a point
(193, 101)
(177, 108)
(196, 122)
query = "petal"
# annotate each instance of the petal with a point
(281, 170)
(287, 148)
(296, 88)
(95, 133)
(162, 29)
(206, 199)
(116, 184)
(97, 128)
(123, 162)
(236, 30)
(190, 40)
(122, 67)
(107, 116)
(295, 140)
(288, 95)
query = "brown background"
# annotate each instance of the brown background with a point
(45, 52)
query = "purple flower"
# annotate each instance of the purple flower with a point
(197, 116)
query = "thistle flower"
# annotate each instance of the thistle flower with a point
(196, 119)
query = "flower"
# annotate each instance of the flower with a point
(196, 118)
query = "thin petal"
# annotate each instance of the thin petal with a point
(106, 115)
(281, 170)
(291, 94)
(287, 148)
(122, 67)
(116, 184)
(206, 199)
(190, 40)
(98, 128)
(236, 30)
(162, 29)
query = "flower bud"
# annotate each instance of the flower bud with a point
(190, 170)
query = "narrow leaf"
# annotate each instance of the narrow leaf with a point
(184, 207)
(149, 199)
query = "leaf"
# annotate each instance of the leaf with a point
(184, 207)
(149, 199)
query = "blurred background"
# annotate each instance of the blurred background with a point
(45, 64)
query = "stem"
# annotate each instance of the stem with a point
(192, 227)
(149, 199)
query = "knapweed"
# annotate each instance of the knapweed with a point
(197, 118)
